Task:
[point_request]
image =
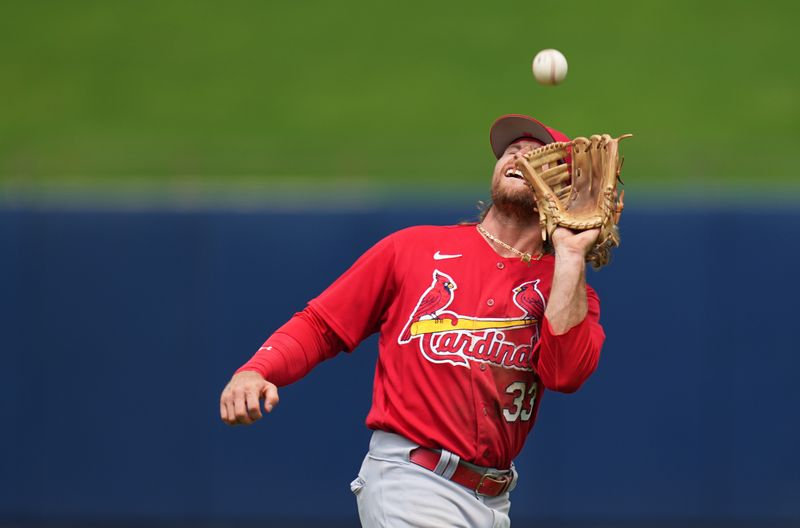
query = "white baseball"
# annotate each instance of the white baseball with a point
(549, 66)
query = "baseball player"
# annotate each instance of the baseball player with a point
(475, 322)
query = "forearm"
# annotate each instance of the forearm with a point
(567, 305)
(294, 349)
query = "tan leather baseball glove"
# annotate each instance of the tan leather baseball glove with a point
(575, 184)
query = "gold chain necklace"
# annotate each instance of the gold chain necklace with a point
(524, 257)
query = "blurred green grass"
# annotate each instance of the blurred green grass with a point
(362, 93)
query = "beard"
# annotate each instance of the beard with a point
(517, 203)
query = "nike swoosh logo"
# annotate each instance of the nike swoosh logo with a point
(439, 256)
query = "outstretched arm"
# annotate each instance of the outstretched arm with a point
(288, 355)
(339, 319)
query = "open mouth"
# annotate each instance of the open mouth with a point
(514, 173)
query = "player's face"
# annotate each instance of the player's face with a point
(508, 185)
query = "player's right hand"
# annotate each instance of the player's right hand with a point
(240, 402)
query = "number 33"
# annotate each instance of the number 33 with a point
(519, 411)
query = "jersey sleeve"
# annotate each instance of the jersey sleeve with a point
(355, 304)
(565, 361)
(294, 349)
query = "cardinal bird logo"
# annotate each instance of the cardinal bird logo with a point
(530, 300)
(436, 298)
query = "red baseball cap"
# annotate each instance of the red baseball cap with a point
(511, 127)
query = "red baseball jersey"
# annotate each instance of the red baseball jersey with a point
(464, 349)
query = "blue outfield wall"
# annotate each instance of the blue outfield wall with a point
(119, 329)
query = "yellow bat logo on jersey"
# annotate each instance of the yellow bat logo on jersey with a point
(449, 322)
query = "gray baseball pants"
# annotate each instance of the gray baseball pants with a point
(393, 492)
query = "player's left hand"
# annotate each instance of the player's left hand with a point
(569, 243)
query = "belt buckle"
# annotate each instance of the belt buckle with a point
(505, 480)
